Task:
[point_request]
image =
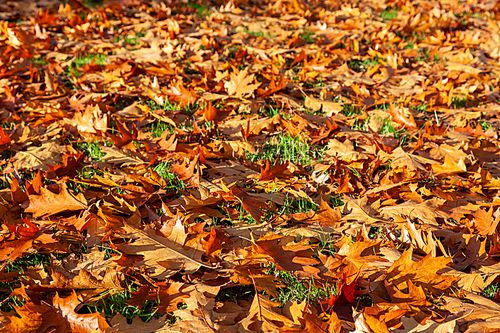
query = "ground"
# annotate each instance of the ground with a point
(250, 166)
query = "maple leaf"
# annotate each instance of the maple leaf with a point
(11, 250)
(285, 258)
(187, 174)
(249, 203)
(422, 273)
(450, 166)
(329, 107)
(410, 161)
(180, 94)
(85, 282)
(239, 84)
(213, 243)
(484, 223)
(425, 211)
(273, 86)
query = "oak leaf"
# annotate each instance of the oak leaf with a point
(359, 210)
(264, 316)
(163, 256)
(40, 158)
(78, 322)
(120, 324)
(50, 203)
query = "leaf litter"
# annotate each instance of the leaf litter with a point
(253, 166)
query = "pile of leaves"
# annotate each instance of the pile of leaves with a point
(250, 166)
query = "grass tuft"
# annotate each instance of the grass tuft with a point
(386, 127)
(287, 148)
(91, 149)
(299, 290)
(174, 184)
(389, 14)
(491, 290)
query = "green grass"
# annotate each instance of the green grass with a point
(326, 244)
(383, 106)
(100, 59)
(258, 33)
(92, 3)
(299, 290)
(389, 14)
(425, 55)
(189, 109)
(158, 127)
(361, 125)
(255, 33)
(38, 60)
(411, 45)
(484, 125)
(174, 184)
(81, 61)
(361, 66)
(113, 302)
(236, 293)
(491, 290)
(269, 111)
(91, 149)
(350, 110)
(167, 106)
(20, 264)
(83, 173)
(108, 251)
(295, 289)
(386, 127)
(201, 9)
(287, 148)
(458, 103)
(297, 205)
(421, 108)
(308, 36)
(129, 40)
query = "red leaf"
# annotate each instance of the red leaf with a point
(4, 138)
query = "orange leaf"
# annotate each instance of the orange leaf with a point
(399, 116)
(50, 203)
(78, 322)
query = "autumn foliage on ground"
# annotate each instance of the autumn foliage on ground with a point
(250, 166)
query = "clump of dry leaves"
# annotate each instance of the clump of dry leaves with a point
(250, 166)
